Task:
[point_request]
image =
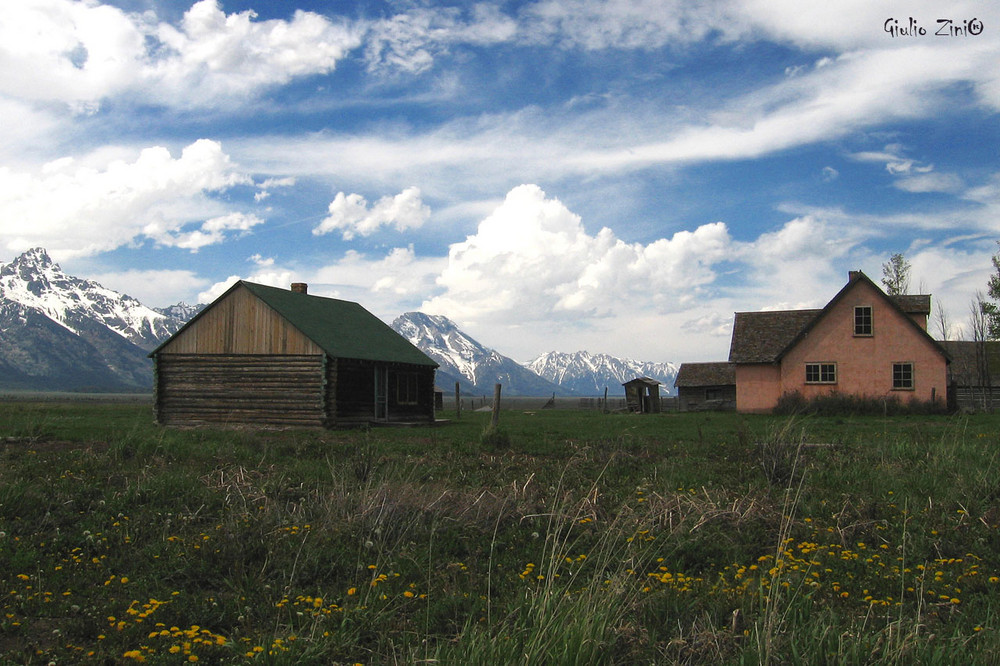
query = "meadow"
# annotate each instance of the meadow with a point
(571, 538)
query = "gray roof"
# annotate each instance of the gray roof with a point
(705, 374)
(764, 337)
(761, 337)
(642, 380)
(964, 362)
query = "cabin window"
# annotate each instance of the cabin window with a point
(406, 388)
(821, 373)
(902, 376)
(863, 320)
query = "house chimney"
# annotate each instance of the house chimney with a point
(300, 287)
(853, 275)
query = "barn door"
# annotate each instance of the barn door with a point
(381, 393)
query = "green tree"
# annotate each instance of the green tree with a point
(896, 275)
(989, 306)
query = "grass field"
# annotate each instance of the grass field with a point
(572, 538)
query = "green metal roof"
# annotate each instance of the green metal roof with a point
(342, 329)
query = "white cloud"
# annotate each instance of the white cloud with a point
(77, 210)
(532, 259)
(156, 288)
(74, 52)
(351, 214)
(931, 182)
(210, 232)
(629, 24)
(384, 285)
(271, 183)
(412, 40)
(215, 54)
(82, 52)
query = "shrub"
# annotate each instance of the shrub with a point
(495, 437)
(845, 404)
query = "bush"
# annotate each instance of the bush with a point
(844, 404)
(495, 437)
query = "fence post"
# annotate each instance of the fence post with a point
(458, 402)
(496, 406)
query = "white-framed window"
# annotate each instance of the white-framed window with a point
(821, 373)
(863, 320)
(902, 376)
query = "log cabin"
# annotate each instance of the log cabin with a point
(268, 356)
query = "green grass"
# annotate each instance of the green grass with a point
(580, 538)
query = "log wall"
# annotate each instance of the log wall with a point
(194, 389)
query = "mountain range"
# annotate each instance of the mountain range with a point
(59, 332)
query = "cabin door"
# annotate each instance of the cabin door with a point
(381, 393)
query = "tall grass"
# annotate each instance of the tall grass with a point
(588, 538)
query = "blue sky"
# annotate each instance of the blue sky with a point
(609, 175)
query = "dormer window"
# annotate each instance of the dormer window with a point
(863, 320)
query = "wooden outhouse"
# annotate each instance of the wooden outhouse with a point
(642, 395)
(263, 355)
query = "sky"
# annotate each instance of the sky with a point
(616, 176)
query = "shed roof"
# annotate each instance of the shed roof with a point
(705, 374)
(342, 329)
(966, 356)
(642, 380)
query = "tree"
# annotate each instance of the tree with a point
(896, 275)
(943, 322)
(982, 314)
(990, 308)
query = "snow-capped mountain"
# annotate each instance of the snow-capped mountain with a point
(475, 367)
(60, 332)
(181, 311)
(34, 281)
(589, 374)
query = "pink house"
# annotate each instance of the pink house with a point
(862, 343)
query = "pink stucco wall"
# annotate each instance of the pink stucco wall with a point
(758, 387)
(864, 364)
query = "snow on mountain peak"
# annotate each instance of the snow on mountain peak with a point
(34, 281)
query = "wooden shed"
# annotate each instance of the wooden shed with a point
(706, 386)
(642, 395)
(263, 355)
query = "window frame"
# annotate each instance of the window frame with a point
(407, 388)
(864, 321)
(904, 376)
(825, 372)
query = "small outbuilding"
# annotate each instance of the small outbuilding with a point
(642, 395)
(973, 375)
(270, 356)
(706, 386)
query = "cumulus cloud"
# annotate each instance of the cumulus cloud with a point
(533, 257)
(351, 214)
(76, 210)
(81, 53)
(217, 54)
